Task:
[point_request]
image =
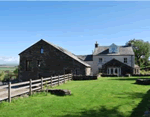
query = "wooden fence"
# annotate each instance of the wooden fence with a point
(32, 85)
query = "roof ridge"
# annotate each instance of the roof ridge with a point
(67, 52)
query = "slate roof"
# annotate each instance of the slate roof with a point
(85, 57)
(115, 62)
(64, 51)
(104, 50)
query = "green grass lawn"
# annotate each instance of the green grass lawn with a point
(105, 97)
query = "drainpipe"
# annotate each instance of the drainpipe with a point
(132, 64)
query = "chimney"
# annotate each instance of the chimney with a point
(96, 45)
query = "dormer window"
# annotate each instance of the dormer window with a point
(113, 48)
(42, 50)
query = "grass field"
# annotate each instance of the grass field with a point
(105, 97)
(7, 68)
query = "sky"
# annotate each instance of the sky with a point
(74, 26)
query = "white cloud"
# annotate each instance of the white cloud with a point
(4, 59)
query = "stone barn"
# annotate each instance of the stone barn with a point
(44, 59)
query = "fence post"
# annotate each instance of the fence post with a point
(41, 83)
(68, 77)
(9, 92)
(71, 76)
(30, 92)
(51, 81)
(58, 80)
(64, 78)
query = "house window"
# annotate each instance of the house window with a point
(113, 50)
(125, 60)
(42, 50)
(111, 70)
(100, 70)
(100, 60)
(39, 63)
(116, 70)
(28, 65)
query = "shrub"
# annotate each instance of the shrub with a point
(5, 77)
(2, 76)
(15, 71)
(143, 72)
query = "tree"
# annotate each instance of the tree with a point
(141, 50)
(16, 71)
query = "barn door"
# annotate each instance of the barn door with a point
(67, 71)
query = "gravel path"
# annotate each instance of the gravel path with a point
(14, 91)
(17, 91)
(1, 83)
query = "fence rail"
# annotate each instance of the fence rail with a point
(30, 86)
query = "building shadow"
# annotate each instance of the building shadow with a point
(128, 79)
(142, 106)
(131, 95)
(101, 112)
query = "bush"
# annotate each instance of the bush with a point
(5, 77)
(143, 72)
(15, 71)
(2, 76)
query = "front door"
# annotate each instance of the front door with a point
(113, 71)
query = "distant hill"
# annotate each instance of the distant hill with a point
(11, 65)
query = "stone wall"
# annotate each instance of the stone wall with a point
(53, 62)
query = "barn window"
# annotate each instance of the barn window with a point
(42, 50)
(39, 63)
(28, 65)
(100, 70)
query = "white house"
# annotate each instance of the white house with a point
(112, 59)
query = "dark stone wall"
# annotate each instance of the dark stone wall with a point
(54, 62)
(84, 78)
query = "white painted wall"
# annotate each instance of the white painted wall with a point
(97, 65)
(91, 64)
(88, 71)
